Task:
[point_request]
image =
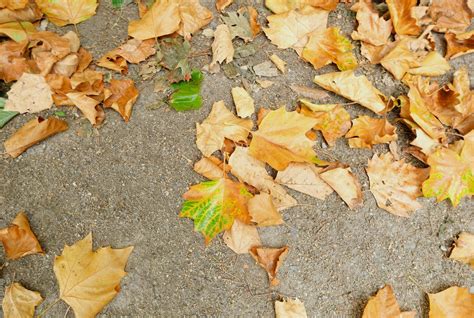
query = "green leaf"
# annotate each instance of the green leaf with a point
(5, 115)
(117, 3)
(60, 113)
(173, 55)
(186, 95)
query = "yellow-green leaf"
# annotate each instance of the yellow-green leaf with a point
(17, 31)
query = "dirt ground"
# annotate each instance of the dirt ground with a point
(124, 183)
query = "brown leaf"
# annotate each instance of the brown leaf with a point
(459, 44)
(455, 302)
(372, 29)
(385, 305)
(262, 210)
(33, 132)
(29, 13)
(60, 86)
(85, 59)
(400, 12)
(47, 48)
(122, 95)
(450, 15)
(67, 66)
(88, 106)
(463, 250)
(89, 82)
(222, 4)
(12, 61)
(133, 51)
(290, 308)
(270, 259)
(18, 239)
(222, 48)
(209, 168)
(241, 237)
(346, 184)
(367, 131)
(193, 17)
(19, 302)
(30, 94)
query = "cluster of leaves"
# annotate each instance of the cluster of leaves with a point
(88, 280)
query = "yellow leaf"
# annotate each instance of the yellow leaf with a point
(459, 44)
(454, 16)
(281, 139)
(395, 184)
(222, 48)
(400, 59)
(433, 64)
(19, 302)
(262, 210)
(241, 237)
(209, 168)
(454, 302)
(346, 184)
(385, 305)
(372, 29)
(367, 131)
(356, 88)
(290, 308)
(270, 259)
(13, 4)
(400, 12)
(220, 124)
(63, 12)
(465, 107)
(282, 6)
(17, 31)
(244, 103)
(463, 250)
(29, 13)
(88, 280)
(30, 94)
(193, 17)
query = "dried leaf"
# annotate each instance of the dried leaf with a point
(222, 4)
(13, 4)
(88, 106)
(19, 302)
(262, 210)
(63, 12)
(12, 61)
(279, 63)
(456, 302)
(241, 237)
(372, 29)
(384, 304)
(281, 6)
(133, 51)
(18, 239)
(88, 280)
(270, 259)
(222, 48)
(290, 308)
(175, 54)
(264, 83)
(243, 102)
(309, 92)
(461, 84)
(17, 31)
(239, 25)
(463, 250)
(47, 48)
(433, 64)
(67, 66)
(346, 184)
(214, 205)
(193, 17)
(208, 168)
(123, 94)
(400, 12)
(30, 94)
(29, 13)
(459, 44)
(367, 131)
(454, 16)
(265, 69)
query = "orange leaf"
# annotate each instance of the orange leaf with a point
(454, 302)
(385, 305)
(123, 95)
(270, 259)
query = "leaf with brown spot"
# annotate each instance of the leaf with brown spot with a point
(384, 304)
(459, 44)
(346, 184)
(463, 250)
(241, 237)
(122, 95)
(367, 131)
(18, 239)
(455, 302)
(19, 302)
(270, 259)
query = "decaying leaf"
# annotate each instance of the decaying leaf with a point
(244, 103)
(88, 280)
(454, 16)
(395, 184)
(214, 205)
(33, 132)
(356, 88)
(290, 308)
(400, 12)
(239, 25)
(456, 302)
(279, 63)
(30, 94)
(241, 237)
(372, 29)
(270, 259)
(18, 239)
(46, 49)
(222, 4)
(304, 177)
(122, 95)
(384, 304)
(262, 210)
(19, 302)
(222, 48)
(459, 44)
(281, 6)
(463, 250)
(461, 84)
(346, 184)
(367, 131)
(63, 12)
(220, 124)
(433, 64)
(133, 51)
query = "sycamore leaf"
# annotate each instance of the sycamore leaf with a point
(47, 48)
(262, 210)
(67, 66)
(294, 28)
(12, 60)
(210, 167)
(30, 94)
(19, 302)
(290, 308)
(29, 13)
(122, 95)
(187, 94)
(400, 12)
(459, 44)
(222, 4)
(395, 184)
(367, 131)
(372, 29)
(88, 106)
(456, 302)
(244, 103)
(193, 17)
(346, 184)
(241, 237)
(214, 205)
(329, 46)
(400, 59)
(280, 139)
(220, 124)
(17, 31)
(252, 171)
(31, 133)
(270, 259)
(133, 51)
(282, 6)
(463, 250)
(384, 304)
(304, 177)
(88, 280)
(356, 88)
(5, 116)
(222, 48)
(454, 16)
(18, 239)
(63, 12)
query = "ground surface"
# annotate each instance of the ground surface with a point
(124, 183)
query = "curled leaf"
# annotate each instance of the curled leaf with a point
(463, 250)
(367, 131)
(123, 95)
(270, 259)
(346, 184)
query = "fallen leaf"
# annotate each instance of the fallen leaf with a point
(463, 250)
(67, 66)
(433, 64)
(330, 46)
(222, 4)
(174, 56)
(47, 48)
(88, 280)
(17, 31)
(282, 6)
(456, 302)
(309, 92)
(280, 139)
(265, 69)
(461, 84)
(29, 13)
(290, 308)
(372, 28)
(252, 14)
(384, 304)
(133, 51)
(123, 94)
(367, 131)
(187, 94)
(262, 210)
(13, 4)
(209, 168)
(222, 48)
(403, 22)
(264, 83)
(193, 17)
(12, 61)
(454, 16)
(241, 237)
(88, 106)
(356, 88)
(239, 25)
(30, 94)
(243, 102)
(395, 184)
(89, 82)
(19, 302)
(214, 205)
(63, 12)
(304, 177)
(31, 133)
(270, 259)
(252, 171)
(18, 239)
(459, 44)
(279, 63)
(220, 124)
(346, 184)
(5, 116)
(401, 58)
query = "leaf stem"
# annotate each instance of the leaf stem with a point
(41, 314)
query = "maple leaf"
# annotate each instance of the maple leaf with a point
(18, 239)
(346, 185)
(282, 6)
(270, 259)
(433, 64)
(220, 124)
(88, 280)
(459, 44)
(30, 94)
(241, 237)
(214, 205)
(47, 48)
(356, 88)
(173, 54)
(372, 29)
(384, 304)
(222, 48)
(122, 95)
(262, 210)
(280, 139)
(19, 302)
(463, 250)
(395, 184)
(367, 131)
(17, 31)
(329, 46)
(400, 12)
(244, 103)
(63, 12)
(452, 302)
